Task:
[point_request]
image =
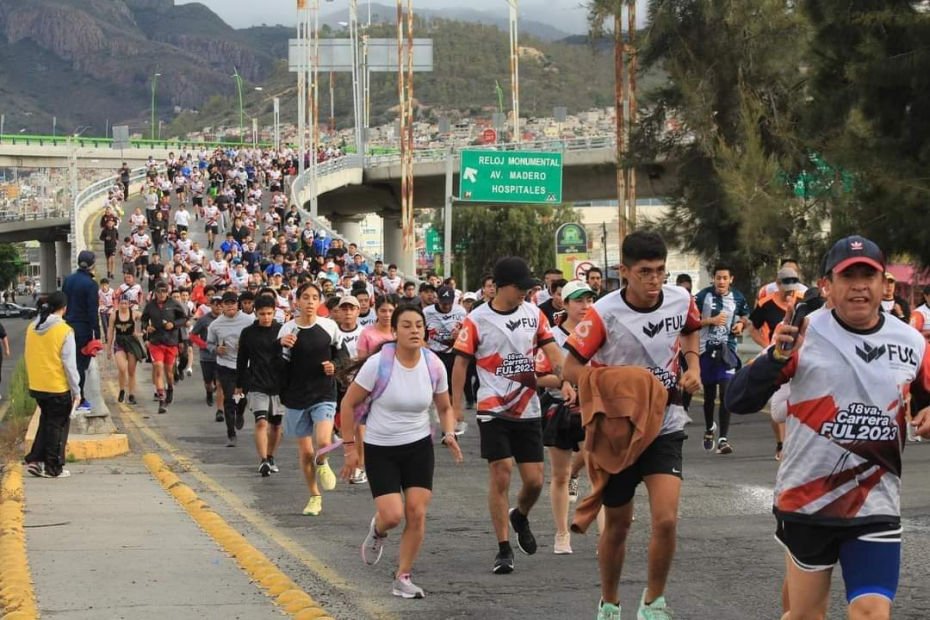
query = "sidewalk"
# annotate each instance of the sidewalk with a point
(109, 542)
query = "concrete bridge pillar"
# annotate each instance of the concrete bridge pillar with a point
(47, 267)
(394, 247)
(62, 259)
(350, 227)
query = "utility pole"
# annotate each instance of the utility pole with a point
(515, 67)
(619, 125)
(238, 79)
(631, 96)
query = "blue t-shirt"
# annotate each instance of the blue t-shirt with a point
(710, 303)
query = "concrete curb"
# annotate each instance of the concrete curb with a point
(17, 596)
(84, 447)
(260, 569)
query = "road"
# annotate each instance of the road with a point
(727, 564)
(16, 332)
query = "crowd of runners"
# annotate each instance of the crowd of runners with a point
(299, 330)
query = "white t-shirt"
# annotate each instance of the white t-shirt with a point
(182, 217)
(401, 414)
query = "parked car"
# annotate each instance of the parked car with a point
(15, 310)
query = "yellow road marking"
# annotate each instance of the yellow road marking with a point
(253, 517)
(17, 596)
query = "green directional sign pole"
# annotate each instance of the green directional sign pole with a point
(524, 177)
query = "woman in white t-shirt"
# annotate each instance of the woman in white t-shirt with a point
(398, 440)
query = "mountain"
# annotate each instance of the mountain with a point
(381, 13)
(90, 63)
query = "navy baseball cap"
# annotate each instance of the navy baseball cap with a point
(853, 250)
(86, 259)
(445, 294)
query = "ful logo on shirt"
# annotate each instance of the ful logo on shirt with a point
(672, 324)
(531, 323)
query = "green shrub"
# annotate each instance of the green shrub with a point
(22, 405)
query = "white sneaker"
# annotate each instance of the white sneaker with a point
(358, 476)
(460, 428)
(405, 588)
(373, 546)
(563, 544)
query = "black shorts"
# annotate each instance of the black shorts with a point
(197, 201)
(663, 456)
(208, 370)
(182, 228)
(564, 434)
(108, 251)
(818, 547)
(503, 439)
(142, 260)
(392, 469)
(214, 228)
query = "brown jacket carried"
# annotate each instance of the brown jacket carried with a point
(622, 408)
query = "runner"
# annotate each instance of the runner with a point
(105, 305)
(444, 319)
(503, 337)
(398, 384)
(920, 317)
(110, 237)
(346, 315)
(312, 346)
(837, 496)
(893, 303)
(223, 339)
(380, 332)
(772, 287)
(161, 320)
(724, 313)
(562, 430)
(644, 324)
(257, 376)
(123, 343)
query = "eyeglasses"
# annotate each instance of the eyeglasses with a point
(648, 275)
(790, 281)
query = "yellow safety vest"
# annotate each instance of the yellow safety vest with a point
(44, 366)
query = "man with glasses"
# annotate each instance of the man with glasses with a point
(645, 324)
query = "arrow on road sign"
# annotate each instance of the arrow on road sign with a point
(471, 175)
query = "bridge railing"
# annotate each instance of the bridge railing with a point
(92, 142)
(330, 166)
(89, 200)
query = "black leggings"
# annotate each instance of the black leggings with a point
(710, 398)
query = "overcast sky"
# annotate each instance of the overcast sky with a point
(244, 13)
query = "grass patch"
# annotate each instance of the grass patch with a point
(22, 405)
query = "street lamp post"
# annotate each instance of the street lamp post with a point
(238, 79)
(154, 84)
(515, 67)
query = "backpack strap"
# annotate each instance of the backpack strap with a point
(385, 366)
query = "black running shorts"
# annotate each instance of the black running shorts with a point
(392, 469)
(519, 439)
(663, 456)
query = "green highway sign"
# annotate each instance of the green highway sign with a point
(510, 176)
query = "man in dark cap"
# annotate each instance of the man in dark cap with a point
(82, 313)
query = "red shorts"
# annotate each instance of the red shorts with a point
(163, 354)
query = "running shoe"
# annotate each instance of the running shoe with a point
(656, 610)
(573, 490)
(521, 525)
(315, 506)
(358, 476)
(84, 406)
(723, 446)
(121, 397)
(460, 428)
(709, 437)
(272, 465)
(132, 400)
(161, 406)
(405, 588)
(264, 468)
(563, 544)
(240, 419)
(373, 546)
(190, 372)
(779, 446)
(327, 477)
(503, 563)
(169, 395)
(231, 441)
(608, 611)
(912, 435)
(64, 474)
(35, 469)
(209, 399)
(219, 416)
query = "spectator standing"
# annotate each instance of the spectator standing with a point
(82, 313)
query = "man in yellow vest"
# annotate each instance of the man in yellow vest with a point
(51, 365)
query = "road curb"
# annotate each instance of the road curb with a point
(17, 595)
(276, 585)
(84, 447)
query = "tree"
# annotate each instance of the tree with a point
(869, 111)
(726, 120)
(11, 265)
(484, 234)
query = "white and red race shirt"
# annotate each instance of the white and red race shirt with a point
(920, 320)
(614, 333)
(504, 348)
(845, 427)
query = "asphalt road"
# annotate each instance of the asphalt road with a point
(16, 332)
(727, 564)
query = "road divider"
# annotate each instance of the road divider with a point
(17, 594)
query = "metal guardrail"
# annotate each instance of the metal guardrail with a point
(327, 167)
(85, 142)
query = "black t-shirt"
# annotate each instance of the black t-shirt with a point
(765, 317)
(549, 309)
(110, 238)
(156, 272)
(304, 383)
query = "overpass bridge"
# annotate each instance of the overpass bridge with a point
(346, 189)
